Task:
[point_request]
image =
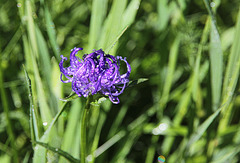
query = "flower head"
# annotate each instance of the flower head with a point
(97, 72)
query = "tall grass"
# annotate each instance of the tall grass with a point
(187, 110)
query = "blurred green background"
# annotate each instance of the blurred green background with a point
(187, 111)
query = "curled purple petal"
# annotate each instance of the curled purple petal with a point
(73, 59)
(97, 72)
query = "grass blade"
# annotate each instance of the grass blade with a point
(71, 128)
(44, 55)
(31, 28)
(130, 13)
(59, 151)
(51, 32)
(163, 14)
(12, 43)
(46, 134)
(233, 62)
(97, 17)
(115, 41)
(216, 60)
(110, 32)
(170, 74)
(202, 128)
(232, 75)
(227, 156)
(33, 130)
(135, 82)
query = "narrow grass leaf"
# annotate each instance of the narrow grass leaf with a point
(46, 66)
(31, 28)
(99, 8)
(228, 156)
(126, 146)
(170, 72)
(71, 128)
(112, 25)
(60, 152)
(56, 84)
(232, 75)
(216, 58)
(135, 82)
(196, 74)
(42, 98)
(163, 14)
(115, 41)
(130, 13)
(33, 113)
(26, 157)
(71, 97)
(202, 128)
(44, 55)
(57, 93)
(227, 39)
(109, 143)
(46, 134)
(233, 62)
(33, 130)
(118, 120)
(151, 150)
(102, 118)
(51, 32)
(216, 61)
(33, 49)
(12, 43)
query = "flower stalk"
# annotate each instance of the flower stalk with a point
(84, 129)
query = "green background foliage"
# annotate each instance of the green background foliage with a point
(188, 109)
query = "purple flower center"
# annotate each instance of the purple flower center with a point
(97, 72)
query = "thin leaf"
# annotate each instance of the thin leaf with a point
(227, 156)
(71, 130)
(110, 31)
(59, 151)
(12, 43)
(135, 82)
(115, 41)
(99, 8)
(170, 72)
(202, 128)
(46, 134)
(163, 14)
(216, 58)
(51, 32)
(233, 62)
(44, 55)
(71, 97)
(130, 13)
(33, 130)
(232, 76)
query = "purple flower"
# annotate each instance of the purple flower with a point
(97, 72)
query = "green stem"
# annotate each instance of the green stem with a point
(83, 129)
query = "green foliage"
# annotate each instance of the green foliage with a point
(182, 102)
